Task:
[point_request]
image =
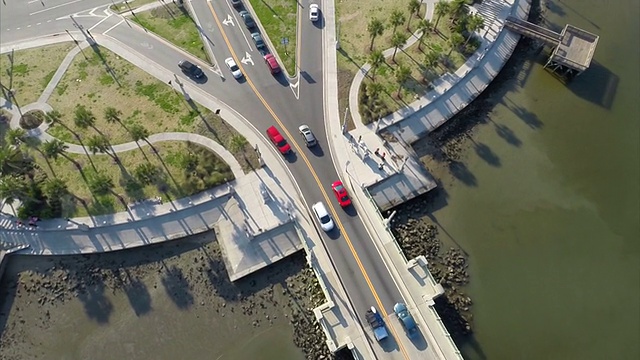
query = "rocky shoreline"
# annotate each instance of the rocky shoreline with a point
(441, 152)
(40, 296)
(449, 267)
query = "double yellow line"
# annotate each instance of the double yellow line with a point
(313, 172)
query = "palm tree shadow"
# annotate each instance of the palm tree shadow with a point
(177, 287)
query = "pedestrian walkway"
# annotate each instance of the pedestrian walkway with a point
(454, 91)
(451, 94)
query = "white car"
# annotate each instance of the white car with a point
(323, 217)
(314, 12)
(233, 67)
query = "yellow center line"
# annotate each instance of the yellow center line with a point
(315, 176)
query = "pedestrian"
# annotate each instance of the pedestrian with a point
(377, 152)
(380, 166)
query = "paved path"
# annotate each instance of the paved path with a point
(452, 92)
(148, 221)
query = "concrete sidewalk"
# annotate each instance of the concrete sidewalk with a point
(252, 232)
(453, 92)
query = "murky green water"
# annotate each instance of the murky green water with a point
(549, 212)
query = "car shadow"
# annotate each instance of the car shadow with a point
(350, 210)
(335, 233)
(200, 81)
(291, 157)
(320, 24)
(282, 79)
(317, 150)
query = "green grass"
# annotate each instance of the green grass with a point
(353, 18)
(30, 73)
(174, 24)
(278, 19)
(183, 169)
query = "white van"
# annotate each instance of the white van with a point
(323, 216)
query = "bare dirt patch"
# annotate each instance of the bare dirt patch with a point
(30, 73)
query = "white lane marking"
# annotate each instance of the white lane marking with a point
(54, 7)
(228, 21)
(113, 27)
(247, 59)
(235, 16)
(49, 20)
(38, 23)
(296, 89)
(99, 22)
(32, 1)
(28, 26)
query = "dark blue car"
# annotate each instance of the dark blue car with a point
(406, 319)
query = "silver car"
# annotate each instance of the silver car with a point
(307, 135)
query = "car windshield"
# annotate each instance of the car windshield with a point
(325, 219)
(234, 67)
(344, 198)
(339, 188)
(282, 143)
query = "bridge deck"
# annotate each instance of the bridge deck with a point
(532, 30)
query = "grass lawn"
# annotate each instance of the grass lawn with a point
(353, 18)
(30, 74)
(141, 99)
(279, 20)
(120, 7)
(182, 169)
(173, 23)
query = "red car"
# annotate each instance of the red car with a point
(278, 140)
(272, 63)
(341, 193)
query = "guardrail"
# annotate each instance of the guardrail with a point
(446, 333)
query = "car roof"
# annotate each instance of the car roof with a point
(272, 61)
(320, 209)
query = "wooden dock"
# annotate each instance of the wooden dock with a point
(573, 48)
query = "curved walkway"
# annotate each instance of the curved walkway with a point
(453, 91)
(148, 221)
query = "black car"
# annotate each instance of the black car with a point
(248, 20)
(236, 3)
(191, 69)
(260, 45)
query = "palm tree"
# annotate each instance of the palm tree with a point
(112, 115)
(12, 188)
(16, 136)
(398, 40)
(100, 144)
(375, 29)
(11, 160)
(53, 117)
(146, 173)
(54, 148)
(457, 9)
(442, 8)
(55, 188)
(397, 18)
(237, 143)
(455, 40)
(402, 74)
(139, 132)
(374, 89)
(101, 184)
(414, 8)
(431, 58)
(474, 24)
(425, 26)
(83, 118)
(376, 59)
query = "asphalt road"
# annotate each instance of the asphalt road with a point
(267, 100)
(24, 19)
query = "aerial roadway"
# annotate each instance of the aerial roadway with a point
(265, 100)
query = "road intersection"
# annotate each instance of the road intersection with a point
(264, 100)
